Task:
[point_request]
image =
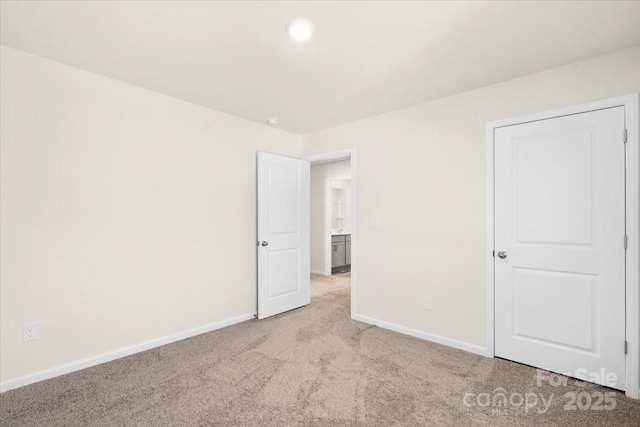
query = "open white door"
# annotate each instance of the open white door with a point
(560, 244)
(283, 234)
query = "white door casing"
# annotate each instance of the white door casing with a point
(283, 234)
(560, 218)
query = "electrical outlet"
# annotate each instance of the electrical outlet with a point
(29, 332)
(427, 303)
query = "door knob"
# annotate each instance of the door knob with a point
(502, 254)
(264, 243)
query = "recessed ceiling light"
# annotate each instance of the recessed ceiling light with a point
(300, 29)
(272, 121)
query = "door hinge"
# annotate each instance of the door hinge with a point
(626, 346)
(625, 136)
(494, 254)
(625, 241)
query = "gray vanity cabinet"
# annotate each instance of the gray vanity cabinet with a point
(337, 254)
(348, 250)
(340, 251)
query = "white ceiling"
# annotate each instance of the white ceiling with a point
(365, 58)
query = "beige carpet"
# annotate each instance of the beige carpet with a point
(311, 366)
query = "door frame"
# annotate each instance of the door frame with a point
(331, 155)
(632, 124)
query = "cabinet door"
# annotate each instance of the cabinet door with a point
(337, 254)
(347, 254)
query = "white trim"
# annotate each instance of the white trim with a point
(354, 229)
(319, 273)
(632, 123)
(328, 255)
(314, 158)
(117, 354)
(472, 348)
(489, 340)
(351, 152)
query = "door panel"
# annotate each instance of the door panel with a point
(284, 271)
(283, 234)
(553, 207)
(560, 219)
(559, 293)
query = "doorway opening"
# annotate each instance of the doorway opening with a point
(339, 208)
(333, 223)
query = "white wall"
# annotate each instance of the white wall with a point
(126, 215)
(421, 172)
(317, 206)
(320, 174)
(116, 202)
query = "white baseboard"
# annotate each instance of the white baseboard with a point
(116, 354)
(320, 273)
(472, 348)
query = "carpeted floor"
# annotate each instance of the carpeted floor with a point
(312, 366)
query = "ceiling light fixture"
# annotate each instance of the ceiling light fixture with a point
(272, 121)
(300, 29)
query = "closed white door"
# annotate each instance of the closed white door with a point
(559, 244)
(283, 234)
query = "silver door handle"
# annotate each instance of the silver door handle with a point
(264, 243)
(502, 254)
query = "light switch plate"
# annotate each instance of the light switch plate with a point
(374, 224)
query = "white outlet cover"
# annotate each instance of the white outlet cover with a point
(29, 332)
(374, 224)
(427, 303)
